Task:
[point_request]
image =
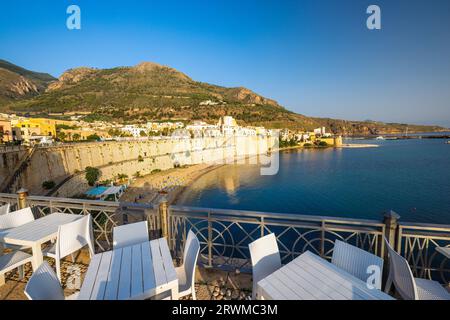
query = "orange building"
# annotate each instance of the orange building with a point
(5, 131)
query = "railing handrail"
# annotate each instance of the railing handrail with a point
(274, 215)
(98, 203)
(420, 225)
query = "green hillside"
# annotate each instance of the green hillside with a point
(149, 91)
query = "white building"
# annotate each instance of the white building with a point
(228, 125)
(208, 103)
(133, 130)
(320, 131)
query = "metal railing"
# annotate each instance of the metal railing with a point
(104, 213)
(6, 149)
(225, 234)
(417, 243)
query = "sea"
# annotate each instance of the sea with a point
(408, 176)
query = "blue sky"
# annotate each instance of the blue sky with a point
(314, 57)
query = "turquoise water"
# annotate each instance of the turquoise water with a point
(96, 191)
(411, 177)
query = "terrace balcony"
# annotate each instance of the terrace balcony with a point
(224, 266)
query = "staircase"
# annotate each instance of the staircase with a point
(10, 185)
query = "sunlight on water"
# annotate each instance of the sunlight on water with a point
(412, 177)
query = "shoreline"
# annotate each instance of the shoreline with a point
(174, 181)
(356, 145)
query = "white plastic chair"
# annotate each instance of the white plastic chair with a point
(356, 261)
(265, 258)
(15, 219)
(44, 285)
(130, 234)
(406, 285)
(71, 237)
(4, 209)
(186, 272)
(11, 261)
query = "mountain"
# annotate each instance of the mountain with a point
(150, 91)
(18, 83)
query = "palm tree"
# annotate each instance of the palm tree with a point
(122, 177)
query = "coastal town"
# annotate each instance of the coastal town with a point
(134, 178)
(30, 131)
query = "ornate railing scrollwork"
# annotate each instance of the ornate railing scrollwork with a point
(418, 242)
(225, 234)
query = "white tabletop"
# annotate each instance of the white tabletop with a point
(37, 231)
(309, 277)
(444, 250)
(34, 233)
(135, 272)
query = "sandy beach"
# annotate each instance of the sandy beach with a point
(359, 145)
(173, 181)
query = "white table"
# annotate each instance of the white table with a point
(135, 272)
(33, 234)
(444, 250)
(309, 277)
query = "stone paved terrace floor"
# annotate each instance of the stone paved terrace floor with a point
(211, 284)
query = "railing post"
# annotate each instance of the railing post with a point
(322, 239)
(209, 239)
(391, 221)
(22, 195)
(164, 216)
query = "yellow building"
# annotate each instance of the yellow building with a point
(39, 126)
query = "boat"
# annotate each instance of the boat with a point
(379, 138)
(448, 142)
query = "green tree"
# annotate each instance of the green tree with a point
(61, 136)
(92, 175)
(47, 185)
(93, 137)
(76, 137)
(142, 133)
(122, 177)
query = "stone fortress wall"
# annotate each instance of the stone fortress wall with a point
(59, 163)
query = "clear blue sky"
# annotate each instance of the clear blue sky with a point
(314, 57)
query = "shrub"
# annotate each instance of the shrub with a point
(48, 185)
(93, 137)
(156, 170)
(323, 144)
(122, 176)
(140, 158)
(92, 175)
(307, 145)
(137, 174)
